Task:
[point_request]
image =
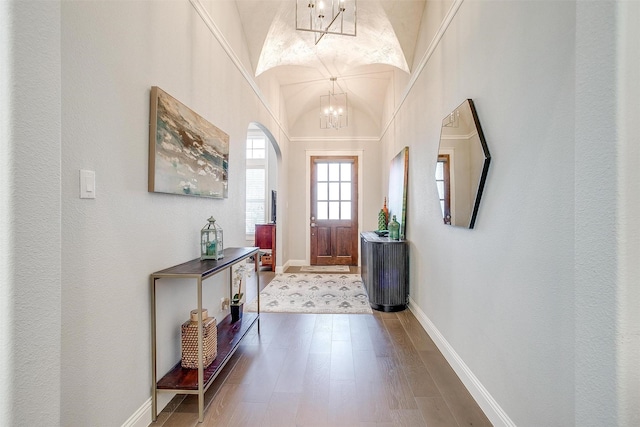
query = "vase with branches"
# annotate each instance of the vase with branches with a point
(239, 274)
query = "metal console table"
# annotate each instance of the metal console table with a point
(197, 381)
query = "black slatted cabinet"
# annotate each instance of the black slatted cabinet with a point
(385, 271)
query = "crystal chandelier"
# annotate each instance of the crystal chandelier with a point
(333, 109)
(326, 17)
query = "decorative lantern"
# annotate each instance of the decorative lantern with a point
(211, 246)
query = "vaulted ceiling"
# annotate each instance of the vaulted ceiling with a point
(387, 31)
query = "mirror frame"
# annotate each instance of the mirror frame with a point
(485, 166)
(398, 184)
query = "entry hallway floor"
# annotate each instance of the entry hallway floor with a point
(333, 370)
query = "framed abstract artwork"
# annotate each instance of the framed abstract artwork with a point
(187, 154)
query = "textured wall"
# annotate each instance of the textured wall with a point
(607, 346)
(372, 198)
(30, 210)
(501, 294)
(112, 53)
(628, 72)
(527, 299)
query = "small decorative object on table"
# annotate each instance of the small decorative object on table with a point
(382, 220)
(394, 229)
(236, 311)
(211, 241)
(239, 275)
(386, 212)
(190, 340)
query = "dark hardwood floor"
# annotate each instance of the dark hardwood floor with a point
(333, 370)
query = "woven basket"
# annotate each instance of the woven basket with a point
(190, 341)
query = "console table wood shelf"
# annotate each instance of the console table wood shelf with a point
(385, 271)
(197, 381)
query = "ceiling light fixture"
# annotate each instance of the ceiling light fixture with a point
(333, 109)
(326, 17)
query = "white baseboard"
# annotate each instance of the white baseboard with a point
(297, 262)
(142, 417)
(492, 410)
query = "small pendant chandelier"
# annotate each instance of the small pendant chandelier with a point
(333, 109)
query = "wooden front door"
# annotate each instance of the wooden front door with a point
(334, 210)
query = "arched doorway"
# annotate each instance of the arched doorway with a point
(262, 159)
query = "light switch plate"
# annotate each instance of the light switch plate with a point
(87, 184)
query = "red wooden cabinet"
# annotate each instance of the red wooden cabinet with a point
(266, 241)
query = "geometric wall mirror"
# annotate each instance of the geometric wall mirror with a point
(462, 165)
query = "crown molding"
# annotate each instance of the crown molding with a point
(467, 136)
(215, 31)
(334, 139)
(451, 13)
(217, 34)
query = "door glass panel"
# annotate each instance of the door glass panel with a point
(322, 171)
(442, 206)
(440, 185)
(345, 210)
(440, 171)
(322, 210)
(345, 191)
(323, 191)
(334, 191)
(334, 210)
(345, 171)
(334, 171)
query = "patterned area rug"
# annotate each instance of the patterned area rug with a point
(313, 293)
(324, 269)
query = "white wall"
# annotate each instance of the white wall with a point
(30, 271)
(272, 178)
(372, 197)
(628, 76)
(535, 305)
(501, 294)
(607, 333)
(112, 53)
(595, 254)
(361, 134)
(538, 300)
(360, 126)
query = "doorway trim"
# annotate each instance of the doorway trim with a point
(279, 171)
(309, 154)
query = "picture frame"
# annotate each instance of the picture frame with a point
(398, 184)
(187, 154)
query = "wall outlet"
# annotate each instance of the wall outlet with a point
(224, 303)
